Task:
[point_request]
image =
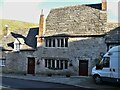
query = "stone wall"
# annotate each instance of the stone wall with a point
(86, 48)
(78, 49)
(16, 62)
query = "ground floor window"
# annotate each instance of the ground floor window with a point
(56, 64)
(2, 62)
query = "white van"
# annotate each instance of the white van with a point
(109, 67)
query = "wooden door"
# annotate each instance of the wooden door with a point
(83, 68)
(31, 65)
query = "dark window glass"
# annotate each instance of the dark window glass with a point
(62, 42)
(53, 42)
(46, 62)
(61, 64)
(49, 42)
(66, 42)
(106, 62)
(66, 64)
(46, 43)
(49, 63)
(57, 64)
(58, 42)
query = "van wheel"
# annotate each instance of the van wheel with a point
(97, 79)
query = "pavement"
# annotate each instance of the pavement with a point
(79, 81)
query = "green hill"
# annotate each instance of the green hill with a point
(14, 25)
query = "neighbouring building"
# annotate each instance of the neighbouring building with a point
(72, 43)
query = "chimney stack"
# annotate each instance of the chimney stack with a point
(41, 29)
(41, 23)
(6, 30)
(104, 5)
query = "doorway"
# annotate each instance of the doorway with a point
(31, 65)
(83, 67)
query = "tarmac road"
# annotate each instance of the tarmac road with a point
(31, 85)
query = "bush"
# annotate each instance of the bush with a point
(68, 73)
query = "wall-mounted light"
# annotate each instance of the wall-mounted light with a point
(70, 64)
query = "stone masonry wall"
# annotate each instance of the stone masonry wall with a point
(16, 62)
(79, 49)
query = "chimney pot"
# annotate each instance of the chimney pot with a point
(104, 5)
(41, 29)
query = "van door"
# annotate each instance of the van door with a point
(105, 72)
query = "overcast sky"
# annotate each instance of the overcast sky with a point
(29, 10)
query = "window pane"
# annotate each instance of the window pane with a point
(2, 62)
(66, 64)
(53, 42)
(106, 62)
(45, 62)
(49, 63)
(61, 64)
(46, 43)
(17, 46)
(58, 42)
(57, 64)
(49, 42)
(62, 42)
(66, 42)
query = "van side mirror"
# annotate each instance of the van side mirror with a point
(98, 67)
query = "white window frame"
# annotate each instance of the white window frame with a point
(46, 41)
(2, 62)
(16, 46)
(46, 64)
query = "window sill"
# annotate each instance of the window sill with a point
(2, 65)
(57, 47)
(16, 51)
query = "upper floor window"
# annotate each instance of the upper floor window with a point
(16, 45)
(56, 42)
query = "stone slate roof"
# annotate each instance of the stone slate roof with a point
(113, 36)
(76, 20)
(27, 38)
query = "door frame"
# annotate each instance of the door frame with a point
(87, 66)
(28, 65)
(89, 63)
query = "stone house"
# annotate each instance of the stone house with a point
(74, 39)
(17, 46)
